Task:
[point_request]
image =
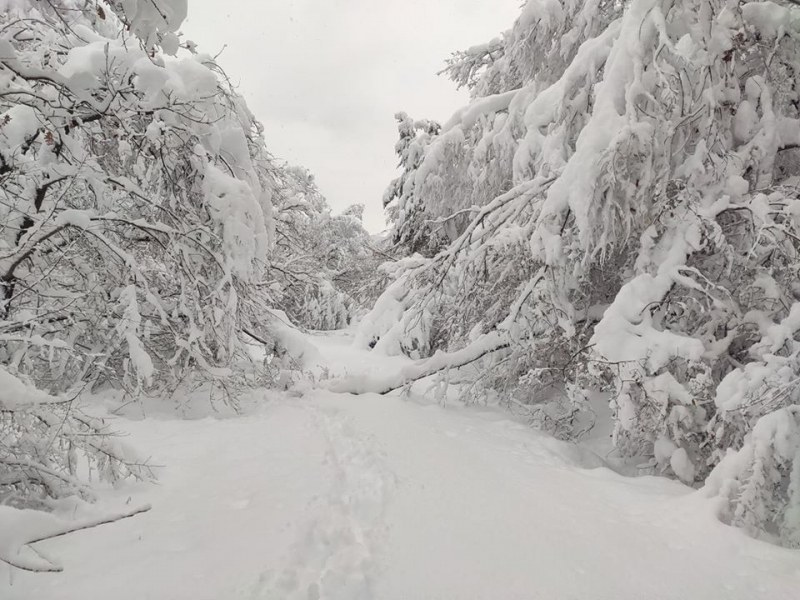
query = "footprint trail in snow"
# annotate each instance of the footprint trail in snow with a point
(336, 556)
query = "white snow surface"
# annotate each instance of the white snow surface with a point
(313, 494)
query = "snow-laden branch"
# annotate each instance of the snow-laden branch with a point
(441, 361)
(19, 529)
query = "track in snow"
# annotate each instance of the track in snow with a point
(336, 555)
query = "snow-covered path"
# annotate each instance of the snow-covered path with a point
(340, 496)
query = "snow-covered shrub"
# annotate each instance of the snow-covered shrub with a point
(759, 485)
(47, 445)
(619, 202)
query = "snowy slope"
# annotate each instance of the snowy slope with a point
(340, 496)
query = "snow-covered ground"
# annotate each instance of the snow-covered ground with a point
(325, 495)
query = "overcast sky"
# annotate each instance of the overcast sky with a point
(326, 76)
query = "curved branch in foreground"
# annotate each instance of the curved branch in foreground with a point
(44, 565)
(441, 361)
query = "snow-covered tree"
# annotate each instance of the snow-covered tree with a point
(619, 210)
(324, 267)
(135, 227)
(412, 230)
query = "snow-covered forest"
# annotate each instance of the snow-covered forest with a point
(570, 367)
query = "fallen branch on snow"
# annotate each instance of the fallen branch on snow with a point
(441, 361)
(56, 529)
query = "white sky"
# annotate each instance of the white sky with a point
(326, 77)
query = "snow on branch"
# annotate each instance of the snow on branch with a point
(441, 361)
(20, 529)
